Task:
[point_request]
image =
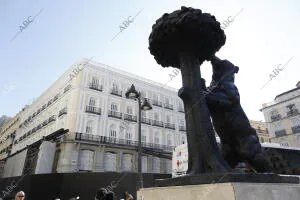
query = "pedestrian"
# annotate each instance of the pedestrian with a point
(20, 196)
(103, 194)
(128, 196)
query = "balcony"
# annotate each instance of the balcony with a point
(291, 113)
(157, 123)
(121, 142)
(280, 133)
(180, 109)
(170, 126)
(51, 119)
(130, 117)
(182, 128)
(296, 129)
(114, 114)
(116, 92)
(62, 112)
(275, 117)
(67, 88)
(145, 120)
(45, 123)
(156, 103)
(94, 86)
(168, 106)
(93, 109)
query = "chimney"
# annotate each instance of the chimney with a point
(298, 84)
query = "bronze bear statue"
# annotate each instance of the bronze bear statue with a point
(239, 141)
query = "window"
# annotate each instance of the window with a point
(144, 137)
(156, 138)
(114, 107)
(129, 110)
(169, 140)
(182, 123)
(156, 116)
(291, 107)
(92, 102)
(183, 140)
(143, 94)
(95, 81)
(128, 135)
(274, 112)
(168, 119)
(155, 97)
(115, 87)
(89, 127)
(167, 101)
(112, 131)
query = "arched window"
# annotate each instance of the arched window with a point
(89, 127)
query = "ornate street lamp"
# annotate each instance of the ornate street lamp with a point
(132, 93)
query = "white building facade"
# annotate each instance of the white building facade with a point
(283, 118)
(89, 100)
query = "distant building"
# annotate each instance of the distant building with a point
(283, 118)
(84, 122)
(7, 136)
(3, 120)
(261, 130)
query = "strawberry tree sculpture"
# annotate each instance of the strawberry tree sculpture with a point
(184, 39)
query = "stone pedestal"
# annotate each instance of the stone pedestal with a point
(230, 187)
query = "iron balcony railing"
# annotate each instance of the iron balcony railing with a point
(93, 109)
(122, 142)
(292, 113)
(275, 117)
(116, 92)
(130, 117)
(156, 103)
(157, 123)
(168, 106)
(95, 86)
(296, 129)
(114, 114)
(169, 125)
(182, 128)
(62, 112)
(146, 120)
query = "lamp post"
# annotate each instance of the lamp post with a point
(133, 94)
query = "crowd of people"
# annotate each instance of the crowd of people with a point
(100, 195)
(103, 195)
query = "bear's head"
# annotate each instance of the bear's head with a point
(224, 69)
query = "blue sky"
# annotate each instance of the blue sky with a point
(264, 35)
